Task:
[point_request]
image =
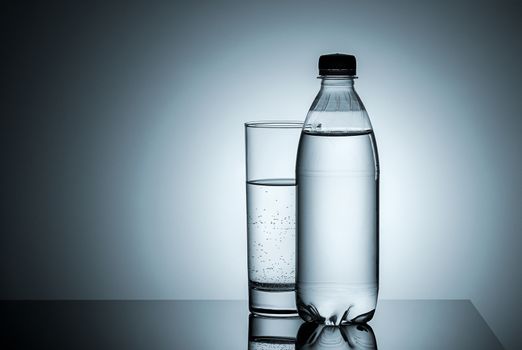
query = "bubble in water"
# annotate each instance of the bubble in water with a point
(277, 233)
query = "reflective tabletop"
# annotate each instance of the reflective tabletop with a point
(397, 324)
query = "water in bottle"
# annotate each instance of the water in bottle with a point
(337, 175)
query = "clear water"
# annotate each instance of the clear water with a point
(271, 234)
(337, 245)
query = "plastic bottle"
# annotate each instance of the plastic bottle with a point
(337, 175)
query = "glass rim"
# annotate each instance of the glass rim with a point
(275, 124)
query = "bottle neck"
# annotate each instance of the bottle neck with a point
(337, 108)
(337, 94)
(337, 82)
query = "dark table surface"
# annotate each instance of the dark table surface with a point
(404, 324)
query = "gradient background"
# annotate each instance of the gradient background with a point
(122, 143)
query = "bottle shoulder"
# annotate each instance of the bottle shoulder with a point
(337, 99)
(337, 110)
(349, 122)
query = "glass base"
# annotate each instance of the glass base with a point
(272, 303)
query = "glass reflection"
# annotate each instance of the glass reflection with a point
(321, 337)
(272, 333)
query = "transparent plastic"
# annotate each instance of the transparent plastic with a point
(337, 175)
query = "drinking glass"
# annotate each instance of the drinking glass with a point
(271, 149)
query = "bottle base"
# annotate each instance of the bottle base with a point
(309, 313)
(336, 305)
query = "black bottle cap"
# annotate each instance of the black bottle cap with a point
(337, 64)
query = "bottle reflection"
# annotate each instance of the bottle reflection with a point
(321, 337)
(272, 333)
